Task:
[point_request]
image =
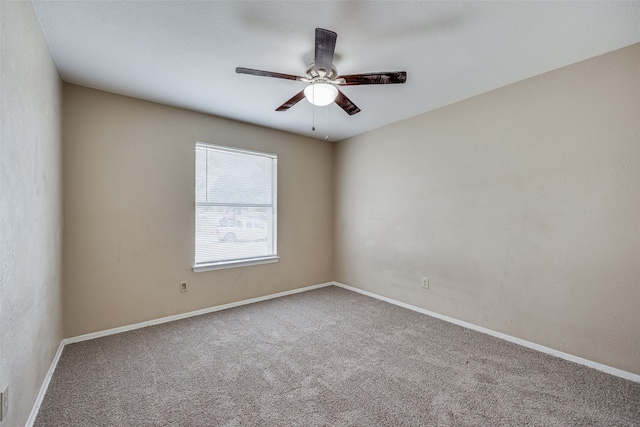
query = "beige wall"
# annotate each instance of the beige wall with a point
(521, 205)
(129, 211)
(30, 208)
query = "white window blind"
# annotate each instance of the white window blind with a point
(235, 207)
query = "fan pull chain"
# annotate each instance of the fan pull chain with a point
(313, 110)
(326, 123)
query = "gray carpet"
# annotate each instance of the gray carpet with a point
(327, 357)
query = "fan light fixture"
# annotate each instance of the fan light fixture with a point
(322, 77)
(320, 93)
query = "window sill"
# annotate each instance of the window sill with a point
(233, 264)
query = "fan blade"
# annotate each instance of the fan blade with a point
(293, 101)
(325, 45)
(345, 103)
(391, 77)
(252, 72)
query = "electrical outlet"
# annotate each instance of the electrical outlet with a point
(4, 404)
(183, 287)
(425, 282)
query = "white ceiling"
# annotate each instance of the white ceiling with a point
(184, 53)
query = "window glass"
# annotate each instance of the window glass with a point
(235, 205)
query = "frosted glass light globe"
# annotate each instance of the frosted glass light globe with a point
(320, 94)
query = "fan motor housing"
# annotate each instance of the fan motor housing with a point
(313, 74)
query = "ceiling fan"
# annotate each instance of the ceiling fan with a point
(323, 77)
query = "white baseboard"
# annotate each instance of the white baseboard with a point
(189, 314)
(599, 366)
(43, 388)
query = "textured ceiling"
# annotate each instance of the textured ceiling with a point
(184, 53)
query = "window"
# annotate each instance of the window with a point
(235, 207)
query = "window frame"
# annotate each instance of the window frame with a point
(241, 262)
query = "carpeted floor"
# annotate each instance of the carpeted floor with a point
(328, 357)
